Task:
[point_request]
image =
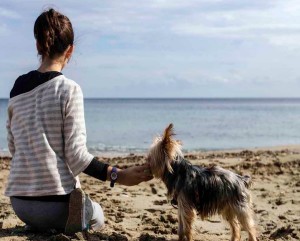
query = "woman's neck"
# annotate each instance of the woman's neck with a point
(51, 65)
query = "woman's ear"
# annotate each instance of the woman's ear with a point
(69, 51)
(38, 47)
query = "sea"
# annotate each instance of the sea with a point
(126, 126)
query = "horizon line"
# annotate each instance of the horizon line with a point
(183, 98)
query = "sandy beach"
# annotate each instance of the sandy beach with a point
(143, 212)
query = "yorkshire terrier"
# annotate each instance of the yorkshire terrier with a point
(201, 190)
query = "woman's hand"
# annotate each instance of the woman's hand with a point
(134, 175)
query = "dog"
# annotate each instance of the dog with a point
(201, 190)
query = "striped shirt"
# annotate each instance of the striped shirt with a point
(47, 138)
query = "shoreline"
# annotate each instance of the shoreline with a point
(293, 147)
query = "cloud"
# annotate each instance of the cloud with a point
(290, 42)
(174, 4)
(6, 16)
(239, 21)
(8, 13)
(242, 31)
(3, 29)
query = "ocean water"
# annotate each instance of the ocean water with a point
(130, 125)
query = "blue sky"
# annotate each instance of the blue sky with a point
(165, 48)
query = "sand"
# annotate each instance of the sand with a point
(143, 212)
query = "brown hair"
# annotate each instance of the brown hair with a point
(53, 32)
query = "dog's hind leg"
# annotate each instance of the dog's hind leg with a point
(186, 216)
(230, 216)
(246, 220)
(180, 226)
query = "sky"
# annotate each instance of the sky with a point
(164, 48)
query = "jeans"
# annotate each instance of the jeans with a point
(46, 215)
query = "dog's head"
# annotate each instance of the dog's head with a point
(163, 152)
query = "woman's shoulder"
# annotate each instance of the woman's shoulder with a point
(68, 87)
(30, 81)
(68, 84)
(67, 81)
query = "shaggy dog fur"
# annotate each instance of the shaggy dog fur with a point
(201, 190)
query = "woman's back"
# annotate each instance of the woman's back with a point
(42, 122)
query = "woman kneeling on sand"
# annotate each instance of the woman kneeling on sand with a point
(47, 140)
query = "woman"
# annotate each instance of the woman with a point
(47, 140)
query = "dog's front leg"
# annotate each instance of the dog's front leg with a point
(186, 216)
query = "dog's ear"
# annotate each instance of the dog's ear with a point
(168, 142)
(170, 146)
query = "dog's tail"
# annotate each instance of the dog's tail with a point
(247, 181)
